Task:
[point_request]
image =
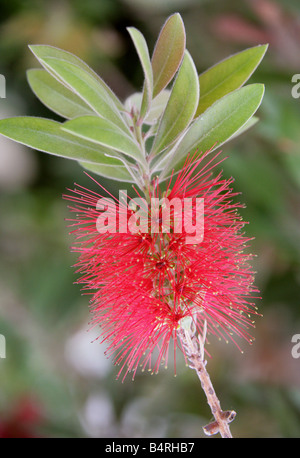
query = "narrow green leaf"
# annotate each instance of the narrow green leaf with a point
(55, 95)
(88, 88)
(134, 101)
(250, 123)
(143, 53)
(217, 125)
(43, 51)
(168, 52)
(118, 173)
(181, 106)
(228, 75)
(47, 136)
(103, 132)
(158, 105)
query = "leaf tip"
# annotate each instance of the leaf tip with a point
(32, 47)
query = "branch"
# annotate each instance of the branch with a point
(194, 351)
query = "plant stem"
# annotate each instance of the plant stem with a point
(144, 178)
(193, 349)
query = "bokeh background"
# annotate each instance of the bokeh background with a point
(54, 382)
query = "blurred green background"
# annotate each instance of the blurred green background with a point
(54, 382)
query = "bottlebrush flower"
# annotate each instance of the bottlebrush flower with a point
(145, 283)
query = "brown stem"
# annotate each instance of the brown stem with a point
(193, 349)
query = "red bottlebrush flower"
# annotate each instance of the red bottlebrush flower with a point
(185, 258)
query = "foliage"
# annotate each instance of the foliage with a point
(126, 144)
(41, 309)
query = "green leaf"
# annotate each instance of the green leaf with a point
(168, 52)
(181, 105)
(88, 88)
(250, 123)
(55, 95)
(46, 135)
(105, 133)
(228, 75)
(158, 105)
(143, 53)
(217, 125)
(133, 101)
(83, 81)
(43, 51)
(118, 173)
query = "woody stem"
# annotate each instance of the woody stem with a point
(194, 352)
